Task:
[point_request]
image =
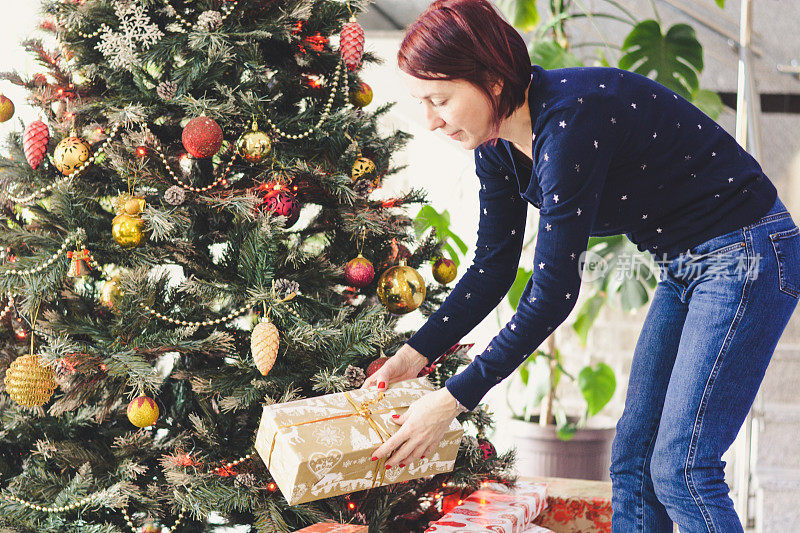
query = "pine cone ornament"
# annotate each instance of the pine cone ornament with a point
(264, 343)
(175, 195)
(166, 90)
(34, 142)
(355, 376)
(351, 44)
(284, 287)
(210, 20)
(246, 480)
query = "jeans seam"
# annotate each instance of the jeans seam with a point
(704, 402)
(767, 219)
(647, 454)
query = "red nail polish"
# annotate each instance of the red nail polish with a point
(395, 416)
(402, 465)
(388, 467)
(374, 459)
(423, 457)
(382, 385)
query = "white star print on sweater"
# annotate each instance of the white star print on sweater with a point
(587, 178)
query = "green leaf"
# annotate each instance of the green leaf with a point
(597, 386)
(708, 102)
(565, 429)
(676, 58)
(721, 3)
(522, 14)
(518, 287)
(550, 55)
(586, 317)
(632, 294)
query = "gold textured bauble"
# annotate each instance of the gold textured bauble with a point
(444, 270)
(28, 382)
(255, 145)
(361, 96)
(264, 342)
(128, 231)
(70, 154)
(134, 206)
(142, 412)
(6, 108)
(401, 289)
(110, 294)
(363, 168)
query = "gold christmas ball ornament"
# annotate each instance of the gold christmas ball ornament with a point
(255, 145)
(142, 412)
(264, 342)
(6, 108)
(110, 294)
(70, 154)
(361, 96)
(127, 230)
(363, 168)
(444, 270)
(401, 289)
(28, 382)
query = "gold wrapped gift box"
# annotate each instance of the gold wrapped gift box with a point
(321, 447)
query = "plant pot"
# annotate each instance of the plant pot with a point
(541, 453)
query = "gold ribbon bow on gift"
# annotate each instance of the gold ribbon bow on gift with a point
(361, 409)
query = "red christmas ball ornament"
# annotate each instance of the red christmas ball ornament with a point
(359, 272)
(487, 448)
(34, 142)
(283, 203)
(376, 365)
(351, 44)
(202, 137)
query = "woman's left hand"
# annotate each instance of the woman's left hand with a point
(423, 426)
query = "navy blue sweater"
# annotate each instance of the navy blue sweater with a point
(613, 153)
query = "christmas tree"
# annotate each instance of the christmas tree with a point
(191, 230)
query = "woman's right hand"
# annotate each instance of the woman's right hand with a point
(405, 364)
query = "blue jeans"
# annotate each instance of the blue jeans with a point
(716, 316)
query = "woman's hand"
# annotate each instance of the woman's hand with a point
(403, 365)
(423, 426)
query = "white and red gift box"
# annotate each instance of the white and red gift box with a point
(496, 509)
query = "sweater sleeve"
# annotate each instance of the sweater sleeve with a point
(572, 155)
(484, 284)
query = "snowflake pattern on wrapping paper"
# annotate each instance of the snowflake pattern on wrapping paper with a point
(329, 435)
(120, 47)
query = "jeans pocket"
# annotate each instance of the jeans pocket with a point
(786, 245)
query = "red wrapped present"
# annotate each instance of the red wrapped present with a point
(576, 505)
(334, 527)
(496, 509)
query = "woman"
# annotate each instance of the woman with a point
(601, 151)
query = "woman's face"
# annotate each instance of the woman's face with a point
(461, 110)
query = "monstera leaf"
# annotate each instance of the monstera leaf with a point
(676, 58)
(522, 14)
(550, 55)
(708, 102)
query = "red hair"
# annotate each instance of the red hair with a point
(469, 40)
